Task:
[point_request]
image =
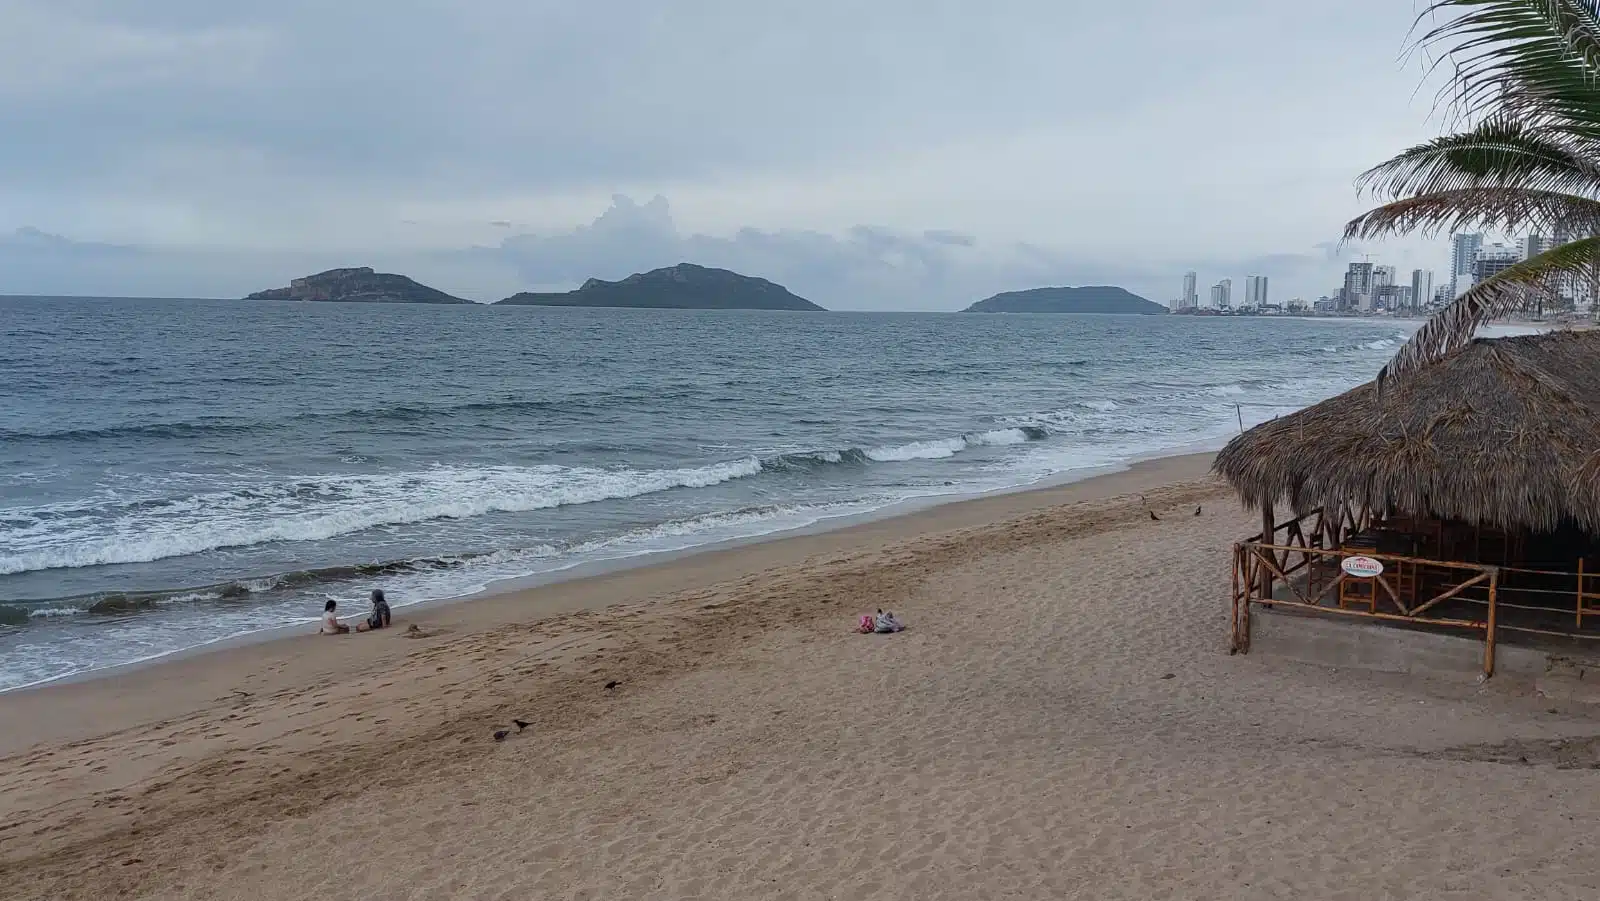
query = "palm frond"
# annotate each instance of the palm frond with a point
(1500, 151)
(1489, 208)
(1513, 288)
(1537, 58)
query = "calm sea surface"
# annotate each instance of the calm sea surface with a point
(173, 473)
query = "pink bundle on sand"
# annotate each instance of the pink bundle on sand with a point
(883, 623)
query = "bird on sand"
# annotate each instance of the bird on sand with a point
(1153, 516)
(612, 684)
(520, 725)
(501, 734)
(1197, 511)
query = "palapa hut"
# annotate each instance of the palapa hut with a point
(1473, 482)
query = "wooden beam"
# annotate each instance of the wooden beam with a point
(1272, 565)
(1392, 617)
(1393, 596)
(1450, 594)
(1326, 589)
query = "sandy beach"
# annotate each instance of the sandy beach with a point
(1060, 720)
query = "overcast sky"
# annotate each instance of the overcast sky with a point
(893, 154)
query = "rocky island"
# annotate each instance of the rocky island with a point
(1088, 299)
(681, 287)
(357, 285)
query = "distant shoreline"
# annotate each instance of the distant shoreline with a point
(1579, 323)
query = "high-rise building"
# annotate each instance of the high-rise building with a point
(1463, 254)
(1222, 294)
(1255, 291)
(1385, 293)
(1357, 293)
(1492, 260)
(1535, 244)
(1421, 288)
(1189, 299)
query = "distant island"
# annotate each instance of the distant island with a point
(681, 287)
(357, 285)
(1088, 299)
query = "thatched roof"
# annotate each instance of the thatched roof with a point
(1503, 432)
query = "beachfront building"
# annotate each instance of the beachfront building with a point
(1493, 260)
(1357, 292)
(1464, 497)
(1190, 298)
(1463, 251)
(1222, 294)
(1535, 244)
(1421, 288)
(1255, 292)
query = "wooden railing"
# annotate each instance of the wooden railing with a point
(1259, 566)
(1298, 564)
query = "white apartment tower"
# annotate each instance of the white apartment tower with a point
(1222, 294)
(1190, 298)
(1463, 254)
(1255, 291)
(1421, 287)
(1535, 244)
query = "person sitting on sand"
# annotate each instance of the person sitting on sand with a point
(330, 620)
(380, 613)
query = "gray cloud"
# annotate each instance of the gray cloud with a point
(986, 148)
(864, 268)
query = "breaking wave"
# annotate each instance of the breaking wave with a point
(324, 507)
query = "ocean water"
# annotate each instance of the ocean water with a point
(174, 473)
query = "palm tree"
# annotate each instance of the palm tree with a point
(1526, 83)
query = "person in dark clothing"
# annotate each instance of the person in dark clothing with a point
(380, 617)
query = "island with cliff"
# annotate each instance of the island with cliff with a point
(681, 287)
(357, 285)
(1088, 299)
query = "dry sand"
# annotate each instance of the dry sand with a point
(1061, 721)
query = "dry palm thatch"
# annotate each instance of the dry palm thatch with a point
(1503, 432)
(1526, 75)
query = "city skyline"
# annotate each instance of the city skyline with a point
(1369, 285)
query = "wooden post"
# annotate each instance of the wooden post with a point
(1233, 624)
(1267, 528)
(1488, 637)
(1580, 594)
(1244, 608)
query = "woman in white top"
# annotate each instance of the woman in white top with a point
(330, 620)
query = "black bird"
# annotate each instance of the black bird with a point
(521, 725)
(1197, 511)
(612, 684)
(1153, 516)
(501, 735)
